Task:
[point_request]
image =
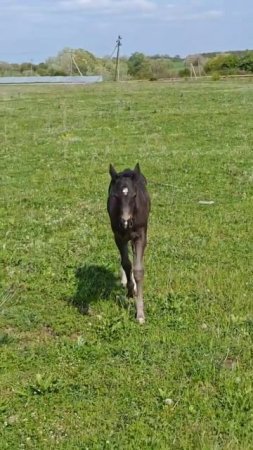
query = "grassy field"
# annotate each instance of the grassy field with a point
(76, 371)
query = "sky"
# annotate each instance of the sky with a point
(33, 30)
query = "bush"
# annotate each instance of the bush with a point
(215, 76)
(230, 64)
(246, 62)
(184, 73)
(160, 68)
(223, 63)
(139, 66)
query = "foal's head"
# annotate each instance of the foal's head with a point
(123, 191)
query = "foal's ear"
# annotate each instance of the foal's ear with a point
(137, 169)
(112, 172)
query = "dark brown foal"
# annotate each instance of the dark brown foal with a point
(128, 206)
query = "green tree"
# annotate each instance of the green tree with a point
(42, 69)
(160, 68)
(223, 63)
(246, 62)
(70, 61)
(139, 66)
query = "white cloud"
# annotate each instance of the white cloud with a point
(189, 11)
(192, 10)
(191, 15)
(110, 6)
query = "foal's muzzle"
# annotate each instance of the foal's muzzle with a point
(126, 224)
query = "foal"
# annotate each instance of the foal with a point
(128, 206)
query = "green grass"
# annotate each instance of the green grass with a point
(76, 371)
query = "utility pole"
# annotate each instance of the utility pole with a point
(118, 44)
(71, 64)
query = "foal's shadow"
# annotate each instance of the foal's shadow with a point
(93, 283)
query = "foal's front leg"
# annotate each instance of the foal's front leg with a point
(139, 247)
(126, 265)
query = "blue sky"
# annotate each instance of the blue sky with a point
(37, 29)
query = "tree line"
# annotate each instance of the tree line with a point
(137, 66)
(231, 63)
(73, 62)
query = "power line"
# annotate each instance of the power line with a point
(110, 57)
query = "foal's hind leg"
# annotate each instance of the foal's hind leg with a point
(126, 266)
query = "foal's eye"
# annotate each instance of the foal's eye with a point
(134, 195)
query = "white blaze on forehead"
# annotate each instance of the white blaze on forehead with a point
(125, 191)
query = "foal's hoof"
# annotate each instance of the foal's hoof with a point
(141, 320)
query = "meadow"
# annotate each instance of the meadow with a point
(76, 370)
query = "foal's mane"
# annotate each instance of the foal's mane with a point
(137, 177)
(126, 173)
